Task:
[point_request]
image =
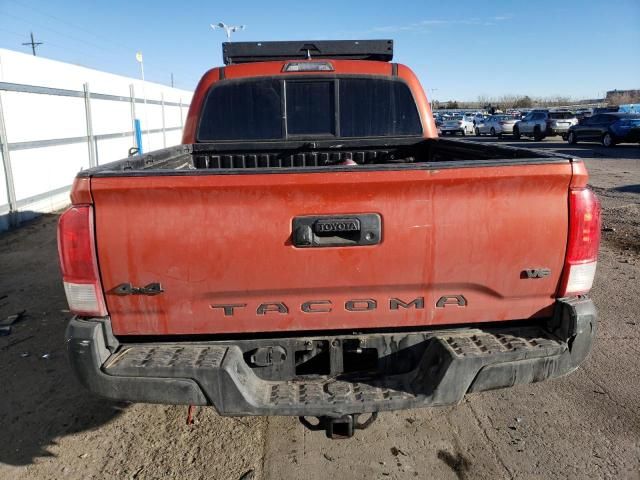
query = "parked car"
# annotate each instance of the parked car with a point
(583, 113)
(543, 123)
(462, 124)
(534, 124)
(309, 258)
(496, 125)
(478, 118)
(610, 109)
(629, 108)
(558, 123)
(607, 128)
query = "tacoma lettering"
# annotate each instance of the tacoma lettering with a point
(355, 305)
(278, 307)
(457, 300)
(229, 308)
(314, 306)
(360, 305)
(396, 303)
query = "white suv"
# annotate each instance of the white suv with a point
(462, 124)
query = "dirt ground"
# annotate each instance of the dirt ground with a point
(586, 425)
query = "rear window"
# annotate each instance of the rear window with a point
(376, 108)
(561, 115)
(273, 109)
(310, 108)
(247, 111)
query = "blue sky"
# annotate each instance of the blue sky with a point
(462, 49)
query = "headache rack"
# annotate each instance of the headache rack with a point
(246, 52)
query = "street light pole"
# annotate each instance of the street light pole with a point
(431, 90)
(144, 97)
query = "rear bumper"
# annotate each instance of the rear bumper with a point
(451, 363)
(558, 130)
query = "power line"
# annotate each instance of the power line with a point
(78, 34)
(39, 11)
(78, 40)
(11, 32)
(33, 44)
(21, 35)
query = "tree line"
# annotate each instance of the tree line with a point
(507, 101)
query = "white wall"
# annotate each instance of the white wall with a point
(31, 117)
(4, 199)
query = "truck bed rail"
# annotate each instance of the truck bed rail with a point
(266, 157)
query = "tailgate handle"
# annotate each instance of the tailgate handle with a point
(336, 231)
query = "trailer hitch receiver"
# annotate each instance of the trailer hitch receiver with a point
(339, 427)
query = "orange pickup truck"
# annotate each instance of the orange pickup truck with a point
(314, 249)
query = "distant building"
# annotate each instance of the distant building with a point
(623, 96)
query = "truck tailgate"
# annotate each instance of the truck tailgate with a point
(456, 245)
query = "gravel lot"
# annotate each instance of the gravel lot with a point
(586, 425)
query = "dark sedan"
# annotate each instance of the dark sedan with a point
(607, 128)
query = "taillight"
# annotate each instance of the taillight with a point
(584, 241)
(76, 248)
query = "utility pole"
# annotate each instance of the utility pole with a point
(171, 79)
(33, 44)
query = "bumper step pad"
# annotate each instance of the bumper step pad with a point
(164, 360)
(453, 364)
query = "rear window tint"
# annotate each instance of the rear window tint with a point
(253, 109)
(243, 111)
(561, 115)
(310, 108)
(375, 107)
